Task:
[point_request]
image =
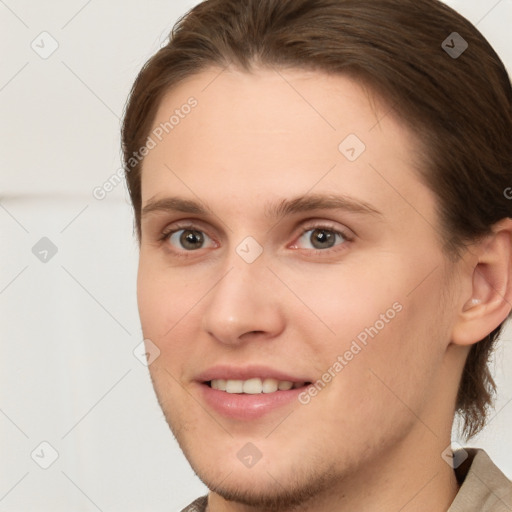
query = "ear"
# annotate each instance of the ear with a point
(490, 300)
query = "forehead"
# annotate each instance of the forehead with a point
(279, 132)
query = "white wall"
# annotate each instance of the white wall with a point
(69, 325)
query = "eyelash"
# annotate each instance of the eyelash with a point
(348, 238)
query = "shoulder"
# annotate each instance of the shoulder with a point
(484, 486)
(198, 505)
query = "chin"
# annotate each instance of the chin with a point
(272, 489)
(281, 479)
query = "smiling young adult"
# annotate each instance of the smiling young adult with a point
(325, 250)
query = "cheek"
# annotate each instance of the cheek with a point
(371, 323)
(340, 300)
(169, 303)
(402, 358)
(151, 299)
(164, 296)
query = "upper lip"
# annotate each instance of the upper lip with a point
(228, 372)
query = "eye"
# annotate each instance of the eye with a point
(189, 239)
(320, 238)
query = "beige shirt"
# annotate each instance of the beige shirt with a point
(484, 487)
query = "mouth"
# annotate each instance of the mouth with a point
(254, 386)
(249, 398)
(248, 393)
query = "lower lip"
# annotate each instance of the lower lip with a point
(247, 407)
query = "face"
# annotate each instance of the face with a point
(288, 243)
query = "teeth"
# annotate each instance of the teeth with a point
(270, 386)
(234, 386)
(219, 384)
(254, 386)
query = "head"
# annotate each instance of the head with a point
(318, 188)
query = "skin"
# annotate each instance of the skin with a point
(372, 438)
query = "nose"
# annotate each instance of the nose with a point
(244, 305)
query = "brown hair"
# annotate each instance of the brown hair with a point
(459, 106)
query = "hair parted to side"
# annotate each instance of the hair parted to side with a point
(460, 109)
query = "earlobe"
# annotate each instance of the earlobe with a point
(490, 301)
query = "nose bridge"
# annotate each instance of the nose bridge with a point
(241, 301)
(246, 269)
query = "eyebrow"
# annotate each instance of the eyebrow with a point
(173, 204)
(285, 207)
(320, 202)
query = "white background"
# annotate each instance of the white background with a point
(68, 327)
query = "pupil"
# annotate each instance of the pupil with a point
(190, 239)
(322, 239)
